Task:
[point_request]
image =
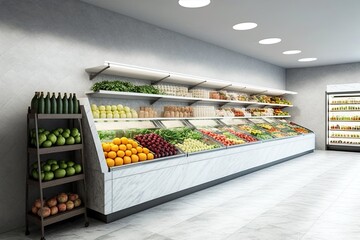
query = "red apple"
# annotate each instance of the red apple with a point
(54, 210)
(62, 198)
(73, 196)
(37, 203)
(51, 202)
(44, 212)
(34, 210)
(61, 207)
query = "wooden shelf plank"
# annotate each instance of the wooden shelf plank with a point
(58, 217)
(55, 116)
(57, 182)
(56, 149)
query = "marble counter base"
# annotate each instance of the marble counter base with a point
(130, 187)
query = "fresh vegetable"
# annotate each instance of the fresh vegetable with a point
(120, 86)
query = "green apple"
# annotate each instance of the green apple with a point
(109, 115)
(102, 115)
(120, 107)
(113, 108)
(102, 108)
(94, 107)
(96, 115)
(123, 115)
(126, 109)
(128, 115)
(116, 115)
(108, 108)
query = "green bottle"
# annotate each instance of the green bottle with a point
(59, 104)
(34, 102)
(47, 104)
(41, 103)
(53, 104)
(76, 104)
(70, 105)
(65, 104)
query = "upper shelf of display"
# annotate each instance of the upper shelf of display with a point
(156, 76)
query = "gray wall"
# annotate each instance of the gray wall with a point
(46, 45)
(310, 83)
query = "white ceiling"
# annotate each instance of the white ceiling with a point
(326, 29)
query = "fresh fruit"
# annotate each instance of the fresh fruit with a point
(61, 207)
(142, 156)
(48, 176)
(46, 168)
(133, 150)
(112, 154)
(128, 153)
(127, 160)
(122, 147)
(51, 161)
(44, 212)
(54, 210)
(192, 145)
(77, 202)
(124, 140)
(70, 171)
(110, 162)
(70, 163)
(62, 198)
(129, 146)
(74, 132)
(69, 205)
(119, 161)
(150, 156)
(60, 141)
(37, 203)
(60, 173)
(70, 141)
(156, 144)
(77, 168)
(120, 153)
(117, 141)
(34, 210)
(114, 148)
(52, 137)
(46, 144)
(51, 202)
(73, 196)
(134, 158)
(63, 165)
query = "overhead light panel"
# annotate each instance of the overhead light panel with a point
(194, 3)
(270, 41)
(245, 26)
(307, 59)
(291, 52)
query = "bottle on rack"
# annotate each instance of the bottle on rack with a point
(41, 103)
(47, 104)
(76, 104)
(53, 104)
(59, 104)
(65, 104)
(70, 104)
(34, 102)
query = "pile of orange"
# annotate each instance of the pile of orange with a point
(124, 151)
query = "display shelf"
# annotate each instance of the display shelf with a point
(160, 118)
(55, 116)
(345, 137)
(58, 217)
(342, 130)
(344, 120)
(56, 149)
(156, 76)
(346, 111)
(336, 104)
(158, 97)
(56, 182)
(345, 144)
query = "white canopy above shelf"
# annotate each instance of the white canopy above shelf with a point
(154, 75)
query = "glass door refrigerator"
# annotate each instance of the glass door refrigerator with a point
(343, 121)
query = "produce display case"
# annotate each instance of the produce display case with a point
(270, 129)
(343, 121)
(249, 127)
(282, 126)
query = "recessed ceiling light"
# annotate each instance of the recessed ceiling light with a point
(245, 26)
(307, 59)
(194, 3)
(270, 41)
(290, 52)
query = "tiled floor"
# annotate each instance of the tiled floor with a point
(315, 197)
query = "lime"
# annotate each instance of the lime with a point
(54, 167)
(60, 141)
(63, 165)
(52, 137)
(70, 140)
(70, 171)
(47, 144)
(78, 139)
(65, 134)
(74, 132)
(48, 176)
(60, 173)
(46, 168)
(70, 163)
(77, 168)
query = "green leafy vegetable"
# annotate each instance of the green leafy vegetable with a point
(120, 86)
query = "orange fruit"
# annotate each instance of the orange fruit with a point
(117, 141)
(139, 149)
(146, 151)
(105, 154)
(120, 153)
(150, 156)
(134, 158)
(127, 160)
(128, 153)
(110, 162)
(124, 140)
(142, 156)
(114, 148)
(134, 144)
(106, 147)
(129, 146)
(133, 150)
(112, 154)
(119, 161)
(122, 147)
(130, 141)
